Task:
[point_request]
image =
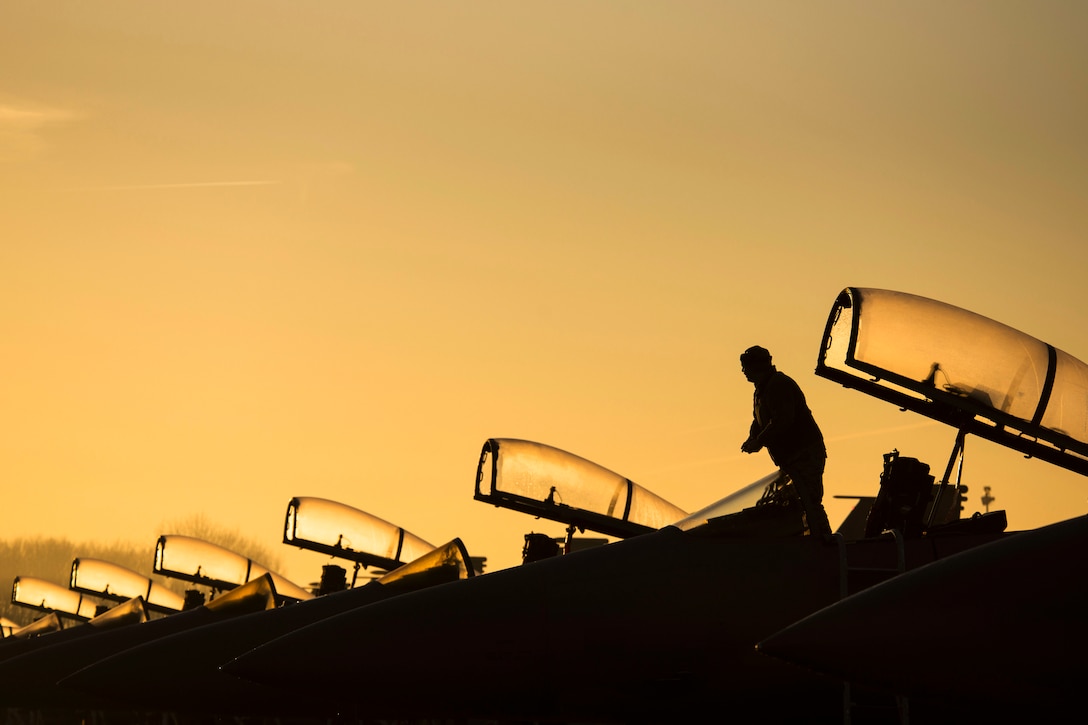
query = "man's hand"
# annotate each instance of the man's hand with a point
(750, 445)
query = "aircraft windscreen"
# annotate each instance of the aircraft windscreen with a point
(133, 611)
(257, 595)
(961, 368)
(345, 532)
(49, 623)
(444, 563)
(550, 483)
(735, 502)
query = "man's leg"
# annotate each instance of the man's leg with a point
(807, 475)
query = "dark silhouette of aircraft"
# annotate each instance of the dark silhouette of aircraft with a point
(30, 677)
(663, 626)
(705, 615)
(188, 678)
(1013, 651)
(33, 635)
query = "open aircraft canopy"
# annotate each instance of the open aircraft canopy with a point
(202, 562)
(105, 579)
(973, 373)
(347, 533)
(35, 593)
(181, 670)
(550, 483)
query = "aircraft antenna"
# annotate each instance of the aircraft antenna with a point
(987, 499)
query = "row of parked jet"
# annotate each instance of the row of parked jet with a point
(908, 613)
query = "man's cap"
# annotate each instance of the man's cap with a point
(755, 357)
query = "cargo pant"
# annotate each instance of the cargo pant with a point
(806, 470)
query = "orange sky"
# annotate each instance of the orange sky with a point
(257, 250)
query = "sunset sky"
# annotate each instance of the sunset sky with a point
(256, 250)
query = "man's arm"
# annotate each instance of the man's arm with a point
(778, 402)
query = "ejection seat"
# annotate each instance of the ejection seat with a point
(906, 487)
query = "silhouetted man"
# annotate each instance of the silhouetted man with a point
(783, 424)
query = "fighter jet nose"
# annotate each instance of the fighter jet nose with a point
(961, 627)
(831, 641)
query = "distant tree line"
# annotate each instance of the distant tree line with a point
(50, 558)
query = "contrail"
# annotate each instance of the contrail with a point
(188, 185)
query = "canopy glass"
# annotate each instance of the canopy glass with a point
(202, 562)
(106, 579)
(550, 483)
(344, 532)
(41, 594)
(966, 370)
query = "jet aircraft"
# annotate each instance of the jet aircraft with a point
(682, 618)
(30, 678)
(1017, 607)
(592, 637)
(318, 524)
(189, 680)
